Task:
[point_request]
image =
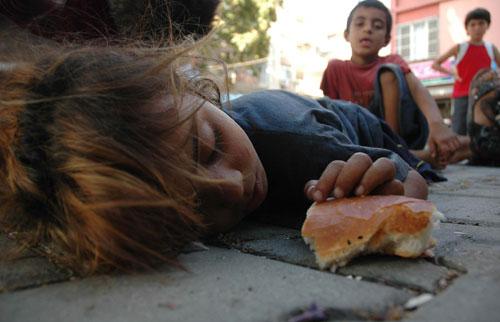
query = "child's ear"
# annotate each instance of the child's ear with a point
(346, 35)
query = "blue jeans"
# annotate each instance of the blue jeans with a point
(413, 126)
(459, 115)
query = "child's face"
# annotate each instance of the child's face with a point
(367, 32)
(225, 151)
(476, 28)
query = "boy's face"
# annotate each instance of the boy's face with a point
(476, 28)
(367, 32)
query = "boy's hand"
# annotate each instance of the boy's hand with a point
(454, 73)
(443, 142)
(356, 176)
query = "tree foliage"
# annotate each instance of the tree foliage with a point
(242, 32)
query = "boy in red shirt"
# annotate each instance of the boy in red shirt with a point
(470, 57)
(386, 85)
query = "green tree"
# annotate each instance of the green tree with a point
(242, 32)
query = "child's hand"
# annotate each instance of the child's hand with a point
(356, 176)
(443, 142)
(454, 73)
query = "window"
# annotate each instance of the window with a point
(418, 40)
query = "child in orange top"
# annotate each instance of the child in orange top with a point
(470, 57)
(386, 85)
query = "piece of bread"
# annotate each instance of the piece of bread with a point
(338, 230)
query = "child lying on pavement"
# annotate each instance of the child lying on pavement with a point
(117, 160)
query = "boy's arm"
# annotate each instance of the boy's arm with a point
(436, 65)
(441, 137)
(497, 56)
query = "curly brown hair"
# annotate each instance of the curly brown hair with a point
(85, 162)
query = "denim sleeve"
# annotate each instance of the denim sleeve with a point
(296, 138)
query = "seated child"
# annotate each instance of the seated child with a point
(117, 160)
(386, 85)
(483, 118)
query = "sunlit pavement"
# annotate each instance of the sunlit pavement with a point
(265, 273)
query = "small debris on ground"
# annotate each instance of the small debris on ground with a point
(313, 313)
(417, 301)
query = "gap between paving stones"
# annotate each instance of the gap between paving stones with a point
(453, 194)
(470, 222)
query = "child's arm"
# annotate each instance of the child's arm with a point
(497, 56)
(360, 176)
(441, 139)
(453, 51)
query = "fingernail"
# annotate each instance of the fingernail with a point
(360, 191)
(310, 189)
(317, 195)
(338, 193)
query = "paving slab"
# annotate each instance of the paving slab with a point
(471, 248)
(28, 270)
(470, 298)
(469, 210)
(469, 181)
(220, 285)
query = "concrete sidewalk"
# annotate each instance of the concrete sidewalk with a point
(265, 273)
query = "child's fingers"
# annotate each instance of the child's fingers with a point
(381, 171)
(310, 188)
(324, 186)
(455, 143)
(351, 174)
(432, 148)
(393, 187)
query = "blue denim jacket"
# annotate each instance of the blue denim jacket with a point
(297, 137)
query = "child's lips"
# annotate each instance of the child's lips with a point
(365, 42)
(259, 192)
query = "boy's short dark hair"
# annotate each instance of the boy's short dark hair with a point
(373, 4)
(478, 14)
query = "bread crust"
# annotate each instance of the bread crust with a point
(340, 229)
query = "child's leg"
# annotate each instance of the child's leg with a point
(390, 98)
(459, 115)
(392, 102)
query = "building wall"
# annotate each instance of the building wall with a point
(411, 5)
(418, 13)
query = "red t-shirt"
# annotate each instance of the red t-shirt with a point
(476, 57)
(342, 79)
